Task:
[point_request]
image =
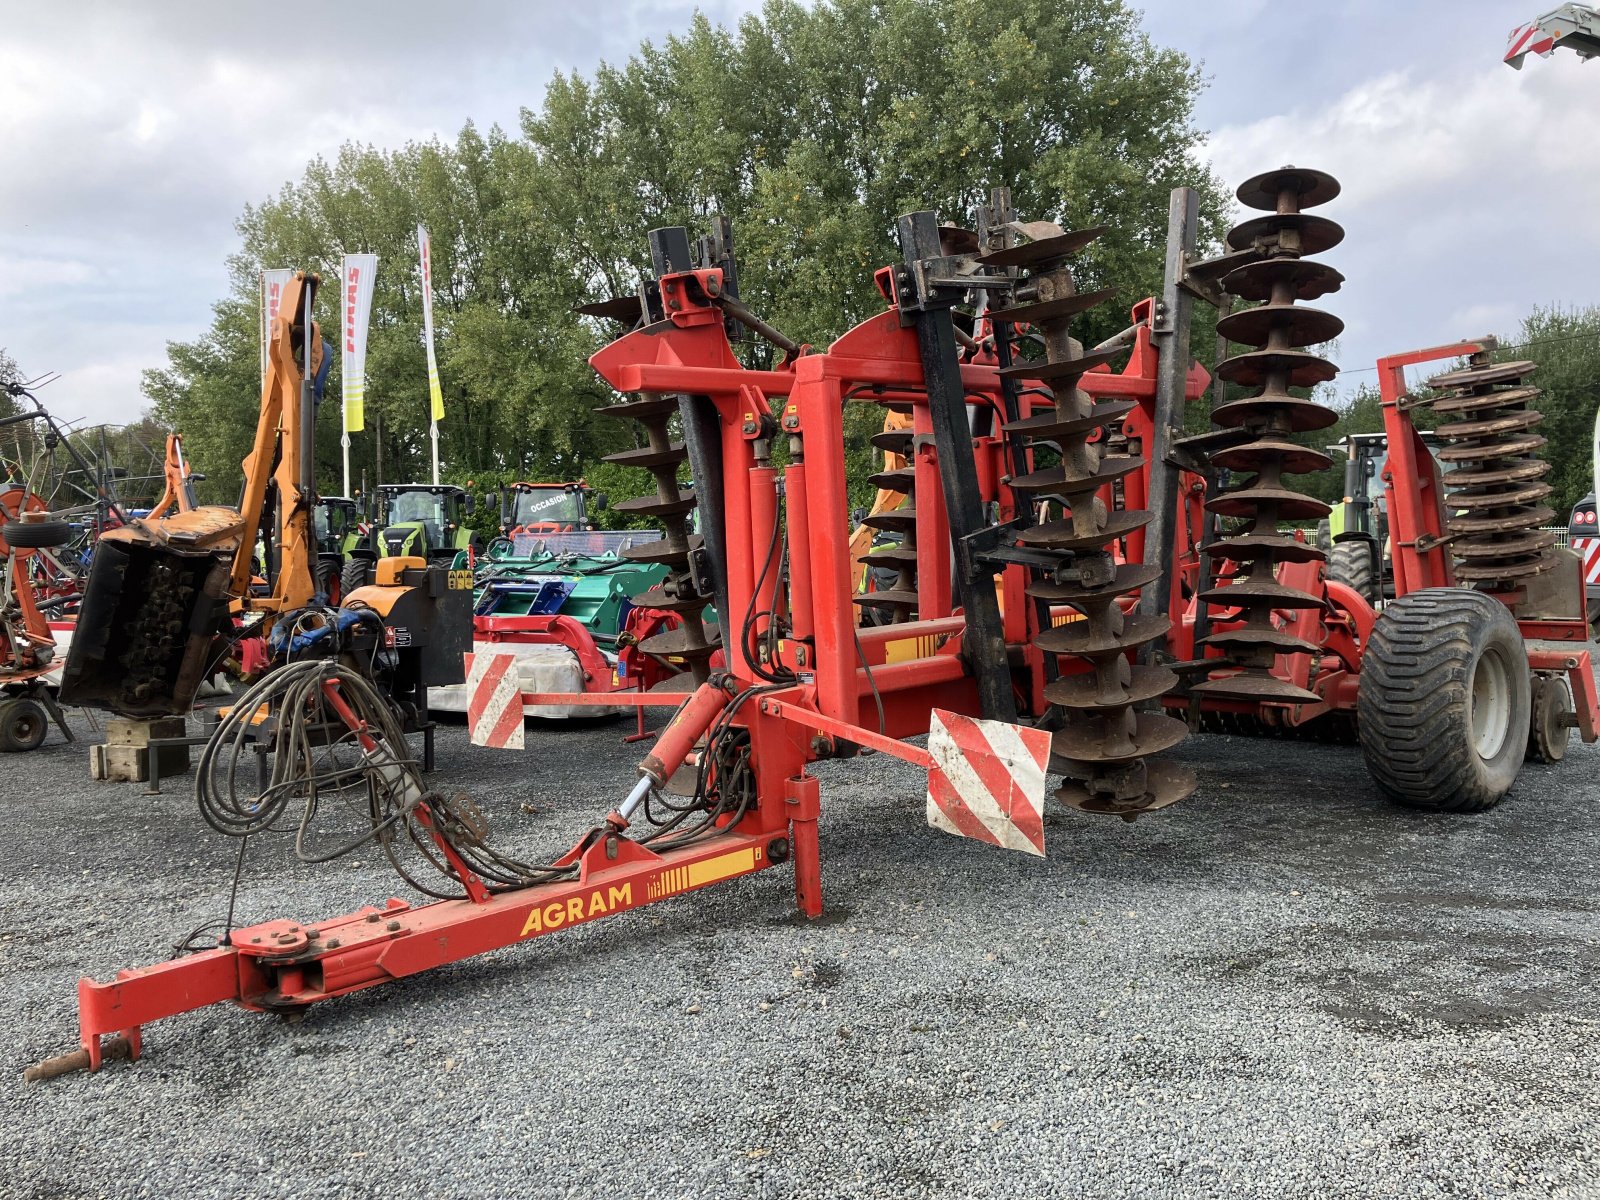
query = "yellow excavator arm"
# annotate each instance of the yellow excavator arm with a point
(285, 436)
(160, 587)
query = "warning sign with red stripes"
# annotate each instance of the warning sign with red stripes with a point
(494, 701)
(987, 781)
(1588, 549)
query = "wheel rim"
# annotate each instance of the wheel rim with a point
(1557, 697)
(1491, 703)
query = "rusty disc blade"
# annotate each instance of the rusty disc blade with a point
(1128, 577)
(1310, 188)
(1249, 500)
(625, 309)
(1051, 310)
(654, 506)
(902, 519)
(1503, 522)
(1248, 591)
(1230, 640)
(894, 441)
(1066, 368)
(648, 457)
(1306, 279)
(1048, 246)
(1504, 570)
(1484, 376)
(1209, 443)
(899, 599)
(1510, 422)
(1061, 535)
(1532, 542)
(1510, 496)
(1088, 742)
(1256, 368)
(659, 597)
(1278, 547)
(901, 558)
(1317, 234)
(1294, 458)
(955, 239)
(1529, 444)
(1049, 425)
(1530, 469)
(645, 406)
(1165, 784)
(901, 479)
(1302, 416)
(685, 642)
(1085, 691)
(1476, 401)
(1298, 324)
(1054, 481)
(1253, 685)
(666, 550)
(1075, 637)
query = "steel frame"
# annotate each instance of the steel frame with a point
(911, 668)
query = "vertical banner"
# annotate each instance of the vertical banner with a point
(358, 272)
(435, 395)
(272, 285)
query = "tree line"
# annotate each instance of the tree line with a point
(811, 127)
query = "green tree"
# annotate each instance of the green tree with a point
(811, 127)
(9, 373)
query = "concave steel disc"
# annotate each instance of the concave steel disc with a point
(1046, 247)
(1310, 188)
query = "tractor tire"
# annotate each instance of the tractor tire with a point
(330, 581)
(1350, 563)
(36, 535)
(23, 724)
(352, 576)
(1552, 711)
(1445, 701)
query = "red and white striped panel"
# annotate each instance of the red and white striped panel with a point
(987, 781)
(1588, 549)
(494, 701)
(1528, 39)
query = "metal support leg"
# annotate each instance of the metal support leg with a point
(1170, 331)
(983, 642)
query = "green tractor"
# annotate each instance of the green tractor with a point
(1356, 533)
(416, 520)
(340, 528)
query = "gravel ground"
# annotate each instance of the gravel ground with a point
(1281, 988)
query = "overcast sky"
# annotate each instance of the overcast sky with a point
(135, 133)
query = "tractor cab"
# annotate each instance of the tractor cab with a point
(541, 508)
(338, 524)
(1363, 509)
(423, 520)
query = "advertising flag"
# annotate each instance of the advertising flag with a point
(272, 285)
(358, 272)
(435, 395)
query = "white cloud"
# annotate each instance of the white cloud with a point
(1468, 196)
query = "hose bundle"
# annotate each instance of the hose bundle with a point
(318, 759)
